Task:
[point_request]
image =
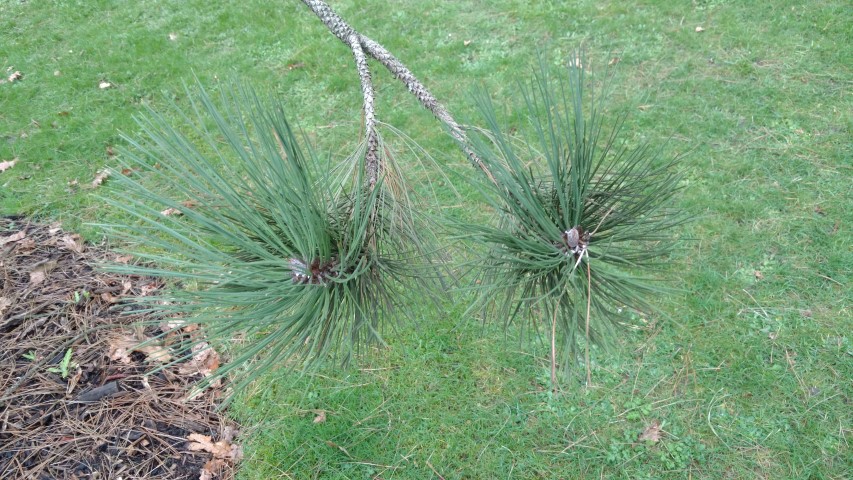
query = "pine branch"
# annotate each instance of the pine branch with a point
(345, 33)
(371, 158)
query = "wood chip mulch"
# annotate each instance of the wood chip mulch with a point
(75, 400)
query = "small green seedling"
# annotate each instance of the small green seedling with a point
(78, 296)
(31, 355)
(65, 366)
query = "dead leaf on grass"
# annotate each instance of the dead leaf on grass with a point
(699, 29)
(652, 433)
(759, 275)
(15, 76)
(6, 165)
(171, 211)
(123, 259)
(321, 416)
(104, 85)
(100, 177)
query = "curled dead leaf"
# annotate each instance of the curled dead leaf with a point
(222, 449)
(321, 416)
(6, 165)
(100, 177)
(40, 273)
(109, 298)
(72, 242)
(147, 289)
(120, 348)
(205, 361)
(652, 433)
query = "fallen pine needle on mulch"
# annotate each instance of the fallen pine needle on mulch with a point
(75, 400)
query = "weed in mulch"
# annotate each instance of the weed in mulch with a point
(75, 400)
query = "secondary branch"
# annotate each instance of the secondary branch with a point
(345, 34)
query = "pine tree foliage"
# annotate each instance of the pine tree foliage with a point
(259, 239)
(569, 193)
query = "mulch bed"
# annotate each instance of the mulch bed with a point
(75, 400)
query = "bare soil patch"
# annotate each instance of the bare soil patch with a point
(75, 402)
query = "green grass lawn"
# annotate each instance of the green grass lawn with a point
(749, 371)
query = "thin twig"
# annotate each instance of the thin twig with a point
(434, 470)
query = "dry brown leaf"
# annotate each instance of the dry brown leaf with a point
(109, 297)
(26, 244)
(171, 211)
(123, 259)
(4, 304)
(15, 76)
(100, 177)
(40, 273)
(205, 360)
(147, 289)
(13, 237)
(6, 165)
(120, 348)
(221, 449)
(321, 416)
(208, 469)
(652, 433)
(156, 353)
(72, 242)
(759, 275)
(73, 380)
